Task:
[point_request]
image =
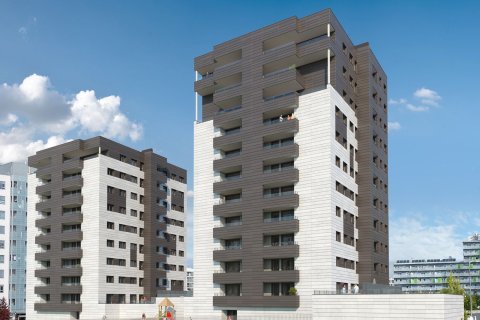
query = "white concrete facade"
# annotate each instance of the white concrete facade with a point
(203, 263)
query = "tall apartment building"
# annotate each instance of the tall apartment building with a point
(291, 176)
(430, 275)
(13, 234)
(106, 226)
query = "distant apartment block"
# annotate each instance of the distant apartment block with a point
(291, 169)
(13, 234)
(106, 226)
(190, 279)
(430, 275)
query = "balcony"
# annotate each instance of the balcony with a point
(227, 92)
(281, 175)
(228, 179)
(44, 204)
(222, 254)
(314, 48)
(205, 86)
(283, 101)
(227, 139)
(228, 231)
(233, 67)
(281, 84)
(291, 250)
(204, 63)
(284, 51)
(57, 307)
(257, 301)
(72, 181)
(280, 226)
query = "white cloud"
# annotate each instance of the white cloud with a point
(410, 238)
(33, 109)
(396, 102)
(415, 108)
(8, 119)
(23, 31)
(394, 126)
(427, 96)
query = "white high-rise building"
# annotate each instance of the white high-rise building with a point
(290, 172)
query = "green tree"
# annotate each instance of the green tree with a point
(453, 286)
(4, 310)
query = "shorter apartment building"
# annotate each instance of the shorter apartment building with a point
(13, 235)
(430, 275)
(106, 226)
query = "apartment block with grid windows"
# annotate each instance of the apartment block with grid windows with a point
(13, 235)
(290, 169)
(106, 226)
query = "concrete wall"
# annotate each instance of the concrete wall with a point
(388, 306)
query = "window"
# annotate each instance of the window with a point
(110, 225)
(110, 279)
(133, 196)
(133, 213)
(2, 185)
(110, 243)
(181, 253)
(126, 228)
(2, 258)
(110, 189)
(122, 193)
(2, 229)
(2, 200)
(337, 161)
(181, 239)
(2, 244)
(2, 215)
(122, 245)
(338, 236)
(122, 210)
(109, 207)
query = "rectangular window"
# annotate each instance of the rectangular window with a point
(181, 239)
(122, 245)
(338, 236)
(110, 243)
(133, 196)
(2, 185)
(110, 279)
(2, 215)
(2, 200)
(133, 213)
(110, 225)
(2, 229)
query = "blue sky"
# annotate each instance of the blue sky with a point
(125, 69)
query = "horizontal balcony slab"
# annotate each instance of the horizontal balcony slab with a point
(228, 255)
(284, 176)
(54, 219)
(256, 301)
(260, 276)
(228, 232)
(58, 307)
(205, 86)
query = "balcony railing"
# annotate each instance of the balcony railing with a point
(304, 43)
(228, 87)
(278, 194)
(230, 109)
(278, 96)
